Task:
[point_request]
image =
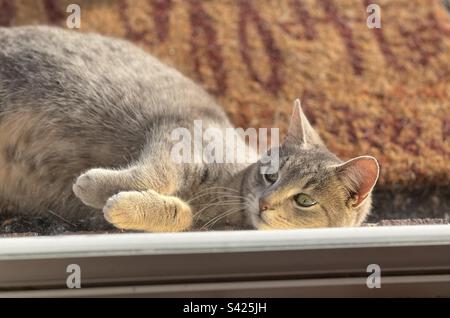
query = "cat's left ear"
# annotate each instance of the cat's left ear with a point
(360, 176)
(300, 132)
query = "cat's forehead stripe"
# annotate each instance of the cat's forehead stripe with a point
(310, 183)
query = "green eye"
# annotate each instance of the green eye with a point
(304, 200)
(271, 177)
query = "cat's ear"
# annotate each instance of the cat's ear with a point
(360, 176)
(300, 132)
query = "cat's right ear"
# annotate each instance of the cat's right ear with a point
(300, 132)
(360, 175)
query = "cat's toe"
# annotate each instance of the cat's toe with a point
(121, 209)
(107, 208)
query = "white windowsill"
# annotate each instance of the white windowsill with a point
(208, 242)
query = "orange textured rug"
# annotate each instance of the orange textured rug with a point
(384, 92)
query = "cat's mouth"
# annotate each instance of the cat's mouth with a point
(262, 221)
(262, 224)
(258, 221)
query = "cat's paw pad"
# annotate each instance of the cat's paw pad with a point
(121, 209)
(89, 188)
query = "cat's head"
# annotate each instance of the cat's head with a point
(312, 188)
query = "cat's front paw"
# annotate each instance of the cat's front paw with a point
(147, 211)
(92, 189)
(121, 210)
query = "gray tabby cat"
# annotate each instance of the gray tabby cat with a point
(100, 109)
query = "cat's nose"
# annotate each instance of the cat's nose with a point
(263, 205)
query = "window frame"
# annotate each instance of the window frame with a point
(414, 261)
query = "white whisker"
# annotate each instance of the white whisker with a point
(216, 219)
(215, 204)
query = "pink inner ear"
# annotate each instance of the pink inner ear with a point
(369, 171)
(364, 171)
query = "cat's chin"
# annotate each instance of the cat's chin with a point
(257, 222)
(263, 226)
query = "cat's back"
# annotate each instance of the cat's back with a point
(40, 50)
(50, 56)
(44, 63)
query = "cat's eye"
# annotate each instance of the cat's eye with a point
(303, 200)
(271, 177)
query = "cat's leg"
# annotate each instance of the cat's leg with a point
(95, 186)
(140, 197)
(148, 211)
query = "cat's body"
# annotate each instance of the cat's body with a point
(71, 102)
